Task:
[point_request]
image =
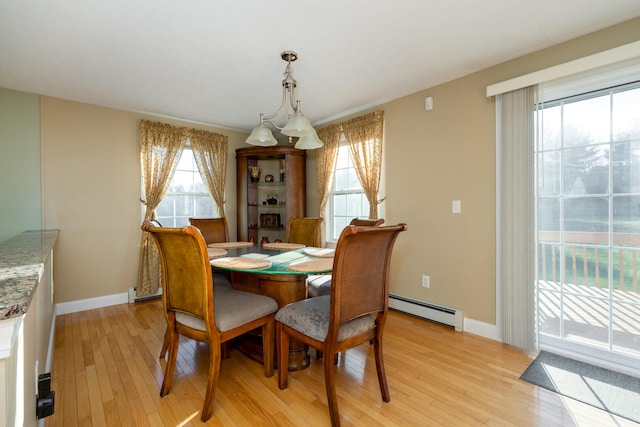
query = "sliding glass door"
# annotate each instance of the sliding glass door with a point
(588, 224)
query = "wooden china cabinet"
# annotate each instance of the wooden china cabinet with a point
(266, 203)
(264, 206)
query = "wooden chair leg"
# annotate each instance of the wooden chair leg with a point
(165, 343)
(268, 343)
(329, 383)
(212, 382)
(174, 340)
(283, 356)
(382, 376)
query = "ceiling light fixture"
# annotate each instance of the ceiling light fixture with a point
(297, 124)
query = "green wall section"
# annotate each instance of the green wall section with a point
(20, 182)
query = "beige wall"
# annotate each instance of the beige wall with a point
(434, 157)
(92, 182)
(92, 186)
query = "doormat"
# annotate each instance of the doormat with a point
(605, 389)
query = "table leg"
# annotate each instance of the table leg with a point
(284, 288)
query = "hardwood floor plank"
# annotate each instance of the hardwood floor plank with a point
(111, 414)
(106, 371)
(140, 417)
(98, 417)
(104, 381)
(78, 357)
(82, 396)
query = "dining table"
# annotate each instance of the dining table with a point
(277, 270)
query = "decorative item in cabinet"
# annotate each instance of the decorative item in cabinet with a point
(272, 198)
(269, 220)
(254, 172)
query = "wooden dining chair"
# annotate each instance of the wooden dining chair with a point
(193, 309)
(320, 284)
(214, 230)
(353, 314)
(306, 231)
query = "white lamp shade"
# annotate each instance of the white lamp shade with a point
(309, 142)
(298, 125)
(262, 137)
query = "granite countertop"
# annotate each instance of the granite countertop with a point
(22, 261)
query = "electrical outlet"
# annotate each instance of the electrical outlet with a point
(425, 281)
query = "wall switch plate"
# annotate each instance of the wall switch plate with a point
(456, 206)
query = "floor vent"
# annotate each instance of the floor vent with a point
(445, 315)
(134, 298)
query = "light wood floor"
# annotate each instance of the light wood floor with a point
(106, 371)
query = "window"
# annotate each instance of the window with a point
(187, 195)
(588, 210)
(347, 200)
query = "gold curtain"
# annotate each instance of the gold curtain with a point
(210, 153)
(364, 135)
(160, 148)
(326, 159)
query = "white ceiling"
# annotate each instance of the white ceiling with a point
(218, 61)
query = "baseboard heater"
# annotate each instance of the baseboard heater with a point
(134, 298)
(437, 313)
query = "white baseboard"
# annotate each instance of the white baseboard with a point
(485, 330)
(91, 303)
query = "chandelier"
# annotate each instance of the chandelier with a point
(297, 124)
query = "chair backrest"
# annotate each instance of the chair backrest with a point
(367, 222)
(306, 231)
(187, 284)
(361, 272)
(214, 230)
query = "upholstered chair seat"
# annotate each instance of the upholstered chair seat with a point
(311, 317)
(230, 309)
